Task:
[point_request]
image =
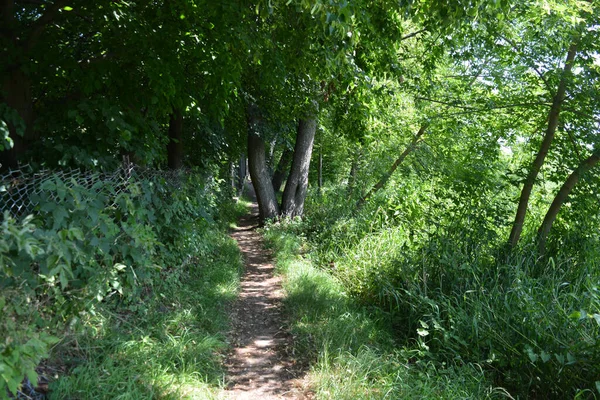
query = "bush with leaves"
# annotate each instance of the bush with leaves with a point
(103, 242)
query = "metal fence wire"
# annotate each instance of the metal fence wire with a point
(20, 189)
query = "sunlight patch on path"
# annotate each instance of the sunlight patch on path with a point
(259, 367)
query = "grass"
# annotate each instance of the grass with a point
(168, 345)
(351, 348)
(384, 308)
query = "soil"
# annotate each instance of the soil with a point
(261, 365)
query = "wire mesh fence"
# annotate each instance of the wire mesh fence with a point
(20, 190)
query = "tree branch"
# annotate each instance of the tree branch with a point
(469, 109)
(379, 185)
(445, 103)
(531, 64)
(412, 34)
(38, 27)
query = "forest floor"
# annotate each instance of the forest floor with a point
(260, 365)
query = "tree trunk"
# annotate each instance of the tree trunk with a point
(562, 196)
(16, 85)
(242, 174)
(381, 183)
(282, 169)
(272, 145)
(259, 172)
(297, 183)
(18, 97)
(553, 118)
(232, 176)
(175, 145)
(320, 171)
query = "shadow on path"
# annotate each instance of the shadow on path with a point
(258, 367)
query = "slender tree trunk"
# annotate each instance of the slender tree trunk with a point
(282, 169)
(232, 176)
(562, 196)
(242, 172)
(320, 170)
(259, 172)
(381, 183)
(297, 183)
(553, 118)
(175, 145)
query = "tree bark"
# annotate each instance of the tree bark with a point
(562, 196)
(242, 172)
(259, 172)
(16, 84)
(553, 118)
(282, 169)
(320, 171)
(175, 145)
(297, 183)
(381, 183)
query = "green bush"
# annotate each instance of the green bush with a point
(103, 243)
(440, 269)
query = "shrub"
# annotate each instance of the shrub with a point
(89, 242)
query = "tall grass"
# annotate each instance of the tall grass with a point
(351, 347)
(440, 284)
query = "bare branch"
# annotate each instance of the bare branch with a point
(381, 183)
(474, 110)
(412, 34)
(445, 103)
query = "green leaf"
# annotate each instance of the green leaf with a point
(64, 281)
(59, 214)
(598, 386)
(13, 385)
(49, 339)
(532, 356)
(545, 356)
(120, 267)
(68, 8)
(422, 332)
(32, 376)
(76, 233)
(48, 185)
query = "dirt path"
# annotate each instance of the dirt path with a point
(258, 367)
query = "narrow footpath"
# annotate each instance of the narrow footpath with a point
(259, 366)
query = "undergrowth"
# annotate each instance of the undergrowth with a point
(121, 284)
(423, 292)
(169, 346)
(351, 346)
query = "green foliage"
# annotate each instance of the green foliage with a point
(350, 347)
(8, 117)
(173, 346)
(451, 292)
(91, 245)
